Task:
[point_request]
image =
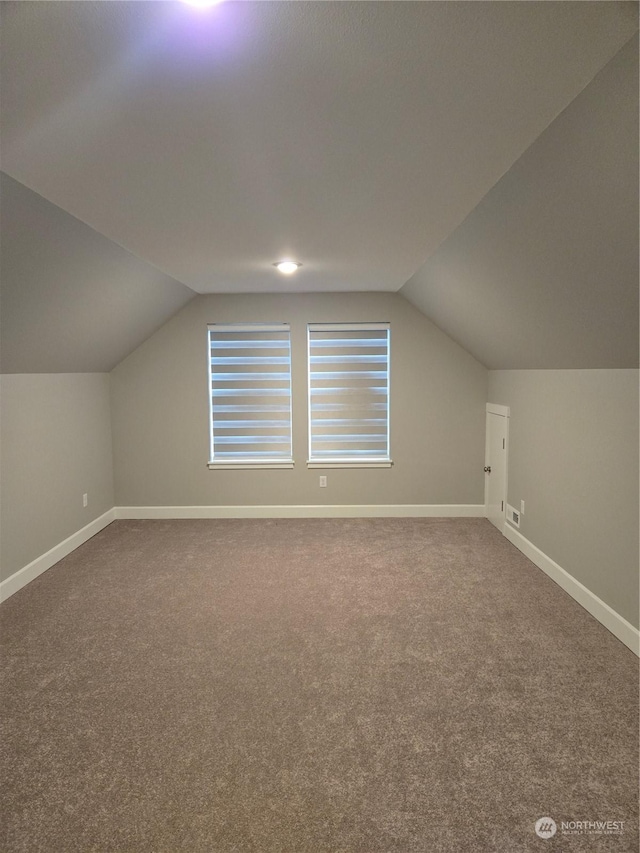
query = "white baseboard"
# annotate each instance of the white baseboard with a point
(312, 511)
(36, 567)
(606, 615)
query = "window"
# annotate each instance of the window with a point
(349, 395)
(250, 396)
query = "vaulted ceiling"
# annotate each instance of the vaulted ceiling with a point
(369, 140)
(72, 301)
(543, 273)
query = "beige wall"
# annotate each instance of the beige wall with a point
(55, 445)
(573, 459)
(160, 411)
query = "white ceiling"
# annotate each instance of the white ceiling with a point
(354, 137)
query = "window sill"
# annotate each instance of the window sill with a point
(349, 463)
(250, 465)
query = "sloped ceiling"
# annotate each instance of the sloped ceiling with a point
(72, 301)
(353, 136)
(544, 272)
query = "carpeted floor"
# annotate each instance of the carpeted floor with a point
(310, 686)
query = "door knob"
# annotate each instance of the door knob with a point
(487, 469)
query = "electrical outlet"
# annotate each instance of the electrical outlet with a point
(323, 481)
(85, 500)
(521, 507)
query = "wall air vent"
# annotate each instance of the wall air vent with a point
(513, 516)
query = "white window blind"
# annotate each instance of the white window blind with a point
(250, 395)
(349, 393)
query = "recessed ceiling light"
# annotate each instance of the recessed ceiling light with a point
(287, 267)
(202, 4)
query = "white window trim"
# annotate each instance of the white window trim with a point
(254, 464)
(355, 463)
(349, 327)
(384, 462)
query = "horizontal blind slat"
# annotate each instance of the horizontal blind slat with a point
(251, 392)
(241, 455)
(220, 343)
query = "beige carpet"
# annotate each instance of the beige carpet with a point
(302, 686)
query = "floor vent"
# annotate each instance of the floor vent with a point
(513, 516)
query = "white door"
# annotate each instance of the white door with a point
(495, 464)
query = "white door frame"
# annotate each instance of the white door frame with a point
(504, 412)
